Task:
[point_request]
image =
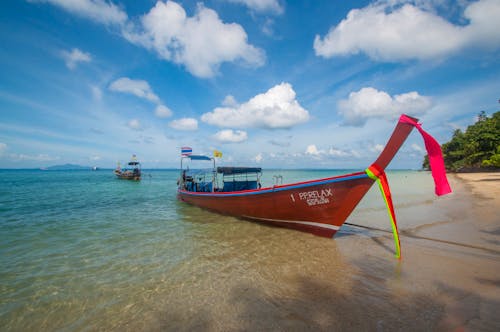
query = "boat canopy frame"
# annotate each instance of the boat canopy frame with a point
(233, 178)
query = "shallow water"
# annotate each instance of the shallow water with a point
(82, 250)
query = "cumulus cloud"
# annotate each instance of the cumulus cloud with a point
(201, 42)
(377, 148)
(97, 10)
(188, 124)
(134, 124)
(163, 111)
(334, 152)
(138, 88)
(393, 33)
(262, 6)
(372, 103)
(74, 57)
(313, 150)
(276, 108)
(258, 158)
(231, 136)
(229, 101)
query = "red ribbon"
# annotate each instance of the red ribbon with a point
(435, 157)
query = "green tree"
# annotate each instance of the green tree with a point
(477, 147)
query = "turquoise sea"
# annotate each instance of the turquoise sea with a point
(82, 250)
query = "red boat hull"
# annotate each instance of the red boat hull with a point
(319, 207)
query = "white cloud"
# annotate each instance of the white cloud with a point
(377, 148)
(184, 124)
(267, 27)
(372, 103)
(408, 32)
(258, 158)
(264, 6)
(230, 136)
(276, 108)
(163, 111)
(337, 152)
(138, 88)
(134, 124)
(97, 10)
(417, 148)
(230, 101)
(74, 57)
(201, 42)
(313, 150)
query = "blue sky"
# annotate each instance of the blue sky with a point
(292, 84)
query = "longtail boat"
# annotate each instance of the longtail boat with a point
(319, 206)
(132, 172)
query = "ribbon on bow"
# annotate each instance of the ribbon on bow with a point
(442, 187)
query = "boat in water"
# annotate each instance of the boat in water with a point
(319, 206)
(132, 172)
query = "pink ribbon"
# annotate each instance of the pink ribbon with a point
(435, 157)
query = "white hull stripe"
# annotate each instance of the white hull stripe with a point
(309, 223)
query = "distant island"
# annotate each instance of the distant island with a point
(68, 167)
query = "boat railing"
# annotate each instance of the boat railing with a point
(198, 180)
(277, 180)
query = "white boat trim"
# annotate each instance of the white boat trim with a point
(309, 223)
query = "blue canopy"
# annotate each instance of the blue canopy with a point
(195, 157)
(238, 170)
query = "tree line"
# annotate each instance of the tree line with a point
(476, 149)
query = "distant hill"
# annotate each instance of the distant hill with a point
(67, 167)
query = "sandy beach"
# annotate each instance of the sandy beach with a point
(452, 262)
